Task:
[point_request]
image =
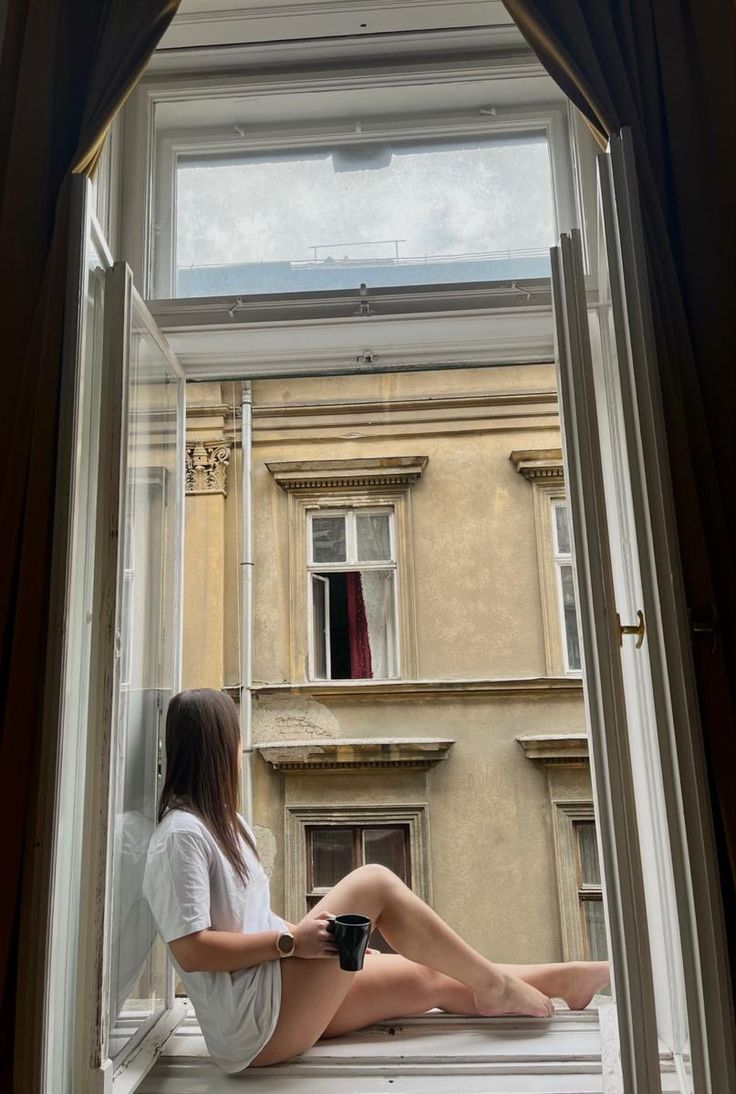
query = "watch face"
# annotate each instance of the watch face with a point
(286, 944)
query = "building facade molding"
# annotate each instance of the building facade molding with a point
(206, 467)
(540, 465)
(537, 687)
(321, 475)
(356, 753)
(555, 749)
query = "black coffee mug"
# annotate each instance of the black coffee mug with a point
(352, 933)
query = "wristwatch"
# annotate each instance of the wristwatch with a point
(286, 944)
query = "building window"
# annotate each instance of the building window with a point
(590, 891)
(565, 583)
(333, 851)
(351, 567)
(323, 843)
(542, 468)
(352, 594)
(579, 881)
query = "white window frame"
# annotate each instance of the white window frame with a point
(151, 154)
(351, 565)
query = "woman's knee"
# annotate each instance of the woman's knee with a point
(378, 876)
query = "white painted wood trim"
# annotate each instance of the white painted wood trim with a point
(605, 704)
(681, 757)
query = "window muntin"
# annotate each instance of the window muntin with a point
(334, 850)
(387, 214)
(353, 623)
(567, 603)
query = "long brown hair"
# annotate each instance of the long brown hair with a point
(202, 749)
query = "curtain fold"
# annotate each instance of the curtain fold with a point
(65, 69)
(667, 71)
(360, 647)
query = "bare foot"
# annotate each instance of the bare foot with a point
(511, 996)
(580, 980)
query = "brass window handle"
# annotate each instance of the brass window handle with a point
(638, 629)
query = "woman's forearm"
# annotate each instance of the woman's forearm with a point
(224, 951)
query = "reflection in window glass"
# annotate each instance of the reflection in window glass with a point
(590, 892)
(566, 586)
(328, 539)
(332, 855)
(563, 531)
(480, 209)
(147, 623)
(374, 537)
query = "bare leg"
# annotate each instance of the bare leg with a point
(392, 987)
(311, 996)
(416, 932)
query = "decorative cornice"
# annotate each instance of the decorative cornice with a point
(298, 475)
(355, 753)
(543, 464)
(206, 467)
(372, 691)
(555, 749)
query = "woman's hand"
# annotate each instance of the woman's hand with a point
(312, 938)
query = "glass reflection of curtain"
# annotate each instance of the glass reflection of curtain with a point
(666, 71)
(360, 647)
(375, 589)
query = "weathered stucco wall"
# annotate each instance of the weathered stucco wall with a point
(479, 617)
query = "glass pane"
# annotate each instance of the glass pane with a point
(563, 530)
(320, 638)
(374, 537)
(332, 855)
(399, 214)
(590, 870)
(572, 636)
(387, 846)
(362, 631)
(148, 627)
(328, 539)
(595, 930)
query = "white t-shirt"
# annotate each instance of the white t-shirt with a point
(190, 885)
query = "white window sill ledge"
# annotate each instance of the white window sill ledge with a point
(431, 1054)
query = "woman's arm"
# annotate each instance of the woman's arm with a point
(227, 951)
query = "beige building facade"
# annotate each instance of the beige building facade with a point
(416, 692)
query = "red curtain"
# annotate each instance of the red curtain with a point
(66, 68)
(667, 71)
(360, 646)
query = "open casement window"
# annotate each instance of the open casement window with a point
(334, 850)
(127, 999)
(353, 603)
(645, 743)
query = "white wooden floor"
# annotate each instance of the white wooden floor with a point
(433, 1054)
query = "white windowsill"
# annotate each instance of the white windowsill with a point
(434, 1053)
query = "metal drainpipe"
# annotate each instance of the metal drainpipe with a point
(246, 587)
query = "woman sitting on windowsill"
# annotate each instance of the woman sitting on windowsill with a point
(265, 991)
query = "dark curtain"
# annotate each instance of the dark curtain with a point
(66, 68)
(361, 667)
(666, 70)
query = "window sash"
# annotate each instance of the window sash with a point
(352, 562)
